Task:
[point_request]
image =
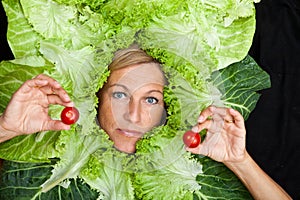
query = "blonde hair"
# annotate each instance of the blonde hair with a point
(130, 56)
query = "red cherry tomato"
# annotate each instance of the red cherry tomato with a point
(69, 115)
(191, 139)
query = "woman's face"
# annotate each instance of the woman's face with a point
(131, 103)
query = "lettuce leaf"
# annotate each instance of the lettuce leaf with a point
(110, 173)
(22, 39)
(12, 76)
(200, 34)
(71, 160)
(172, 166)
(239, 84)
(203, 48)
(11, 187)
(218, 182)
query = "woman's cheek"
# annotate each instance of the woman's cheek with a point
(158, 115)
(119, 110)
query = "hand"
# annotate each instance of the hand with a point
(225, 142)
(27, 111)
(226, 134)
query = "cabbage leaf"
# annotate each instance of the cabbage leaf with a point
(203, 47)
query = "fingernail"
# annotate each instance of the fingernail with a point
(67, 127)
(66, 96)
(212, 108)
(57, 85)
(195, 129)
(41, 82)
(200, 119)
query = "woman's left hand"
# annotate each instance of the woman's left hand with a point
(226, 134)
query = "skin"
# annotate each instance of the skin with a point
(27, 111)
(226, 142)
(131, 104)
(128, 111)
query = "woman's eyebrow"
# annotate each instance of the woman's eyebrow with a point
(119, 85)
(127, 89)
(150, 91)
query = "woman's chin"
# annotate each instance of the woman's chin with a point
(126, 149)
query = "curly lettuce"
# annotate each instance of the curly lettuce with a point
(203, 48)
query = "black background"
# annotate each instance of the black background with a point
(273, 128)
(5, 53)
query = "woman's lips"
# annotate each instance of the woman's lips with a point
(130, 133)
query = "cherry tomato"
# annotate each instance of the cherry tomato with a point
(191, 139)
(69, 115)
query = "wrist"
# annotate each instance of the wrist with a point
(245, 160)
(5, 134)
(259, 184)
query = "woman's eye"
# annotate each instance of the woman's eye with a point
(119, 95)
(151, 100)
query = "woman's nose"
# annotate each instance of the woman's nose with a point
(134, 111)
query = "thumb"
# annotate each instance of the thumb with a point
(200, 149)
(237, 117)
(56, 125)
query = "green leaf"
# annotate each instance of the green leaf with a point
(107, 172)
(171, 165)
(21, 181)
(218, 182)
(239, 84)
(74, 41)
(71, 159)
(21, 37)
(235, 86)
(199, 34)
(33, 148)
(12, 76)
(52, 20)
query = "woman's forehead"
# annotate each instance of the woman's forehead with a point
(147, 73)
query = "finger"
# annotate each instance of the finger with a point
(201, 126)
(63, 95)
(28, 85)
(198, 150)
(211, 125)
(60, 92)
(237, 118)
(207, 112)
(52, 87)
(53, 84)
(222, 114)
(193, 150)
(47, 89)
(217, 113)
(42, 82)
(54, 99)
(56, 125)
(45, 77)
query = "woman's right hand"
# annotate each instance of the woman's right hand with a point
(27, 111)
(226, 135)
